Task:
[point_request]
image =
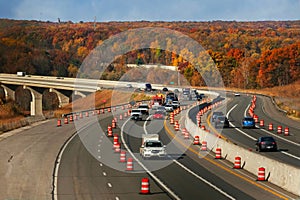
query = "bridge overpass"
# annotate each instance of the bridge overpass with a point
(58, 85)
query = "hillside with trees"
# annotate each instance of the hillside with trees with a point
(249, 55)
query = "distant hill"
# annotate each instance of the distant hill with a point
(247, 54)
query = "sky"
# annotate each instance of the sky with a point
(150, 10)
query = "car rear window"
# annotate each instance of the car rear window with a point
(153, 144)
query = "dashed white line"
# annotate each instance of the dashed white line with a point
(109, 185)
(104, 173)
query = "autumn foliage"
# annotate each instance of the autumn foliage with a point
(247, 54)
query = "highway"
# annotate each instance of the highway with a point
(288, 146)
(179, 176)
(88, 168)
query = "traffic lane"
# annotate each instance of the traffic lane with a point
(258, 132)
(240, 183)
(271, 117)
(82, 176)
(185, 185)
(246, 137)
(27, 157)
(270, 109)
(269, 113)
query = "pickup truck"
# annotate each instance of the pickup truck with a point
(152, 146)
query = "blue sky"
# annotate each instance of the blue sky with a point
(151, 10)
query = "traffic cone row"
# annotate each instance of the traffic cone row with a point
(270, 126)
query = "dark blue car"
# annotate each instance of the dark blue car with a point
(248, 122)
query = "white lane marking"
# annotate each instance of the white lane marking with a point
(109, 185)
(104, 173)
(294, 143)
(98, 150)
(245, 112)
(100, 164)
(117, 198)
(253, 138)
(203, 180)
(193, 173)
(232, 125)
(58, 164)
(144, 167)
(291, 155)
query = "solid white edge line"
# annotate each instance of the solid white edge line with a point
(58, 164)
(268, 132)
(144, 167)
(289, 141)
(59, 159)
(203, 180)
(291, 155)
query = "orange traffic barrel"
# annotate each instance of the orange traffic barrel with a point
(145, 186)
(261, 174)
(218, 153)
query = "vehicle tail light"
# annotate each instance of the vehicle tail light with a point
(262, 143)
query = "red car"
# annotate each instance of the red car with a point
(159, 115)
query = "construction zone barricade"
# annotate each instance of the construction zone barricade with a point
(58, 123)
(218, 153)
(196, 140)
(261, 174)
(204, 146)
(261, 123)
(123, 156)
(129, 164)
(270, 127)
(237, 163)
(66, 121)
(145, 186)
(279, 129)
(286, 131)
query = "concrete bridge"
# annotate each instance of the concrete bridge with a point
(62, 87)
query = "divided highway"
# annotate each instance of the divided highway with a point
(88, 167)
(288, 146)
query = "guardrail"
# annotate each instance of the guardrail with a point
(278, 173)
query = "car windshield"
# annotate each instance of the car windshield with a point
(269, 139)
(153, 144)
(221, 118)
(248, 118)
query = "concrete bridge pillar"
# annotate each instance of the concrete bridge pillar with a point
(9, 93)
(36, 105)
(63, 99)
